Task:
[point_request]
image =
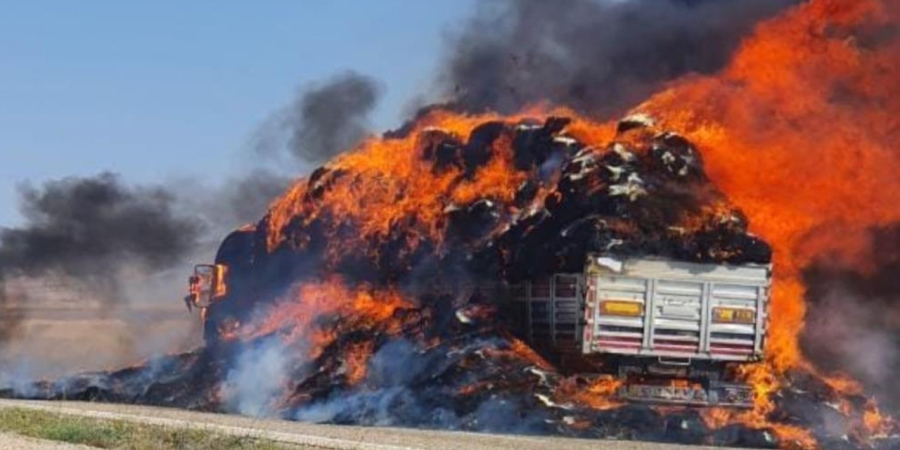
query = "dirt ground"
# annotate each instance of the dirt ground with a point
(53, 334)
(13, 442)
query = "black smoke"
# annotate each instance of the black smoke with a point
(599, 57)
(89, 229)
(232, 201)
(853, 315)
(322, 121)
(249, 196)
(329, 119)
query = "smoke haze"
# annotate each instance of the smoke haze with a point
(328, 119)
(88, 246)
(260, 372)
(853, 317)
(598, 57)
(88, 228)
(322, 121)
(83, 226)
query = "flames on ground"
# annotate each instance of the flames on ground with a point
(354, 300)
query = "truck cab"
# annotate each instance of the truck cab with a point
(217, 290)
(206, 285)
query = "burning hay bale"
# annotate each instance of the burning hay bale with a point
(356, 299)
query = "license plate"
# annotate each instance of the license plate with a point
(667, 394)
(728, 395)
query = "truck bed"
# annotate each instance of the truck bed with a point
(652, 308)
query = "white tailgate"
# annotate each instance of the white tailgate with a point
(678, 314)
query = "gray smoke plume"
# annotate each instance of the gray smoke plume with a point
(326, 120)
(88, 229)
(85, 227)
(233, 201)
(249, 196)
(323, 121)
(853, 316)
(596, 56)
(392, 387)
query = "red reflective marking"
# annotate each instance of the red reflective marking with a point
(620, 338)
(731, 345)
(675, 342)
(730, 351)
(676, 348)
(618, 344)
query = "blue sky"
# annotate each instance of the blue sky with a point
(156, 90)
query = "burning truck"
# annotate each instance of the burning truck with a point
(502, 261)
(671, 331)
(531, 276)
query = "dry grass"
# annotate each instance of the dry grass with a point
(122, 435)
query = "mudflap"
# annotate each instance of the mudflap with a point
(714, 395)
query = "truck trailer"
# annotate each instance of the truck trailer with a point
(671, 331)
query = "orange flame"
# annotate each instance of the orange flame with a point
(599, 393)
(798, 131)
(304, 317)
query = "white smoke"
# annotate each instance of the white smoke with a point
(18, 378)
(849, 328)
(261, 373)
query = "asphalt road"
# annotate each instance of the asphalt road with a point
(326, 436)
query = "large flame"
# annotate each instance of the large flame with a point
(394, 184)
(800, 131)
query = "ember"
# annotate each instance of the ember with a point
(359, 297)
